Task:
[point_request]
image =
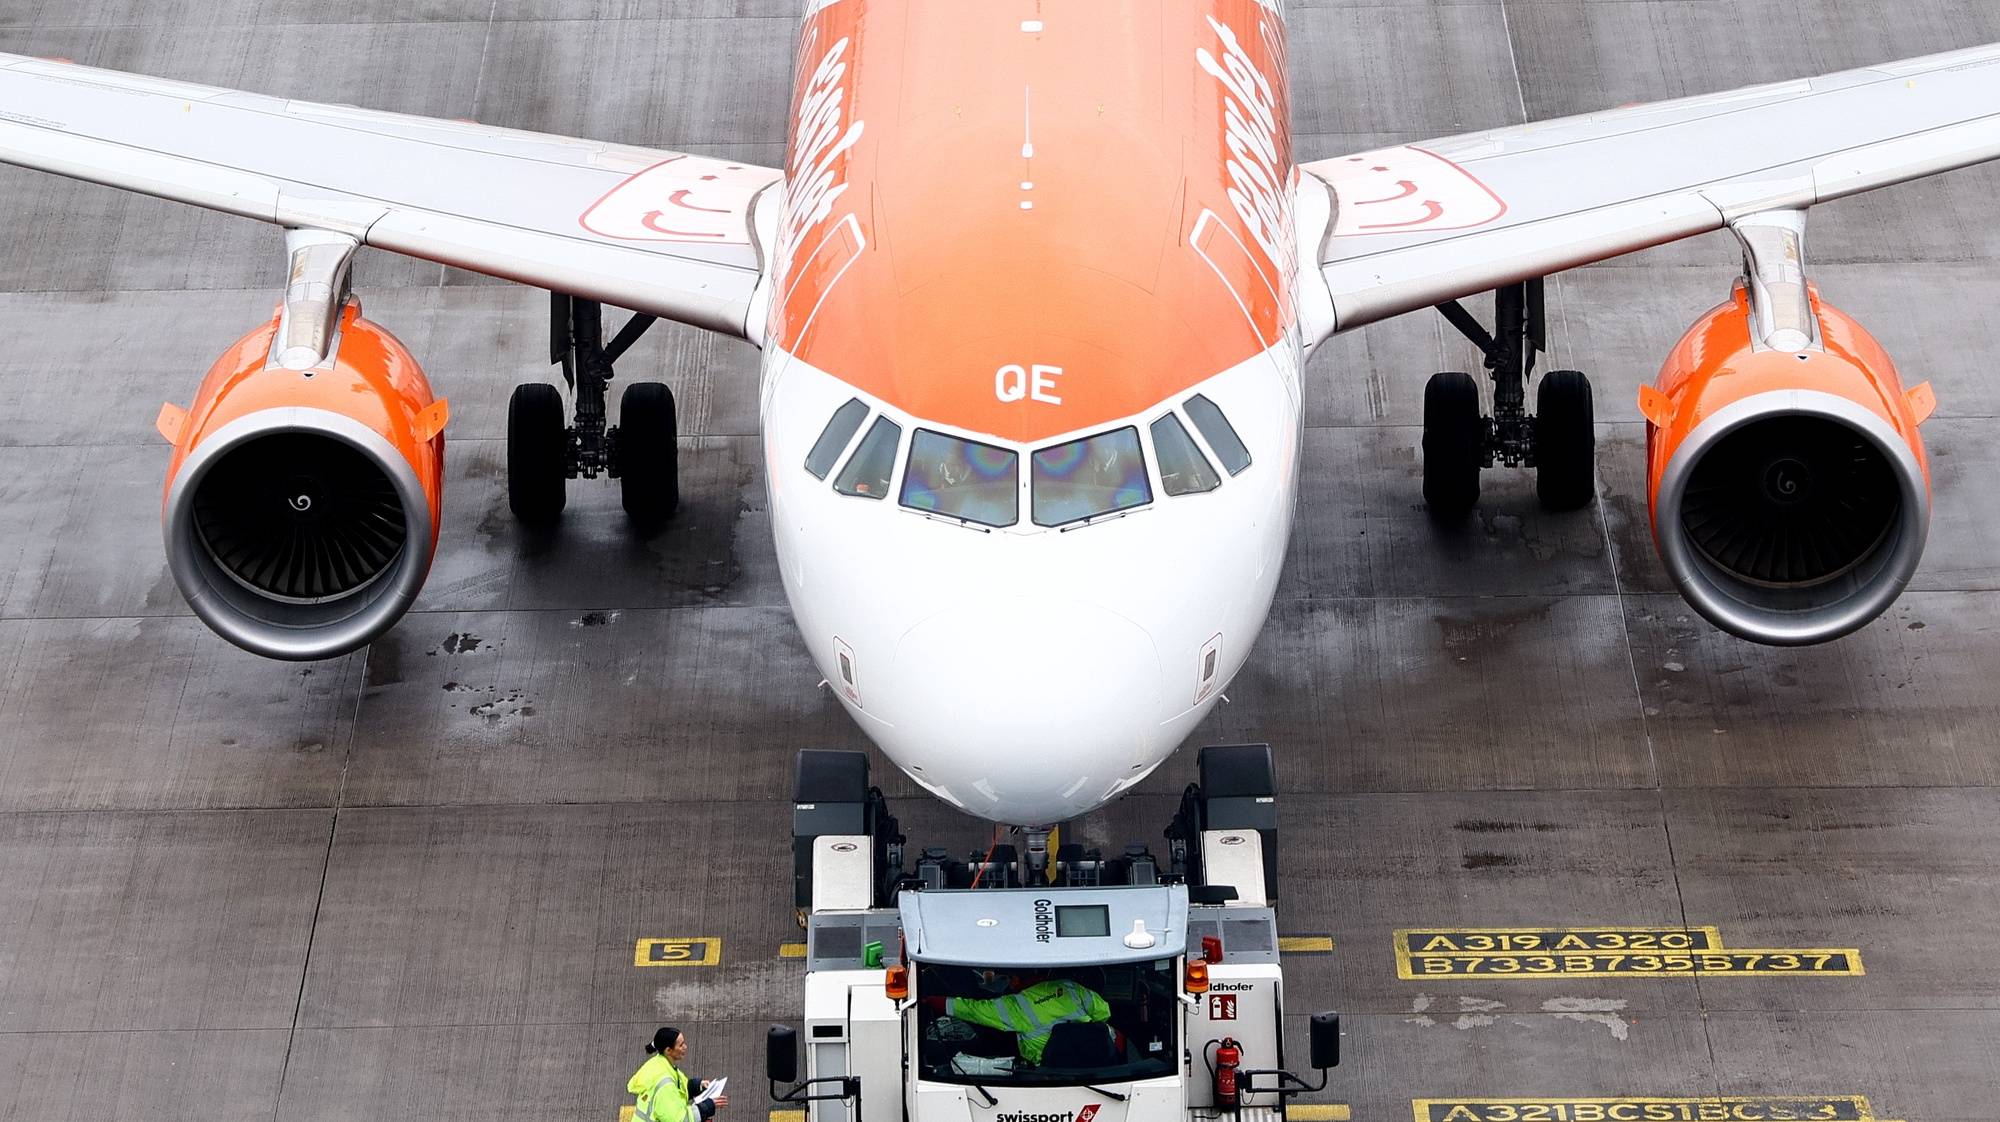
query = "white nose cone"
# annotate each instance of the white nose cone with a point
(1026, 712)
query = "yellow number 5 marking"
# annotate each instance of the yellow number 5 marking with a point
(703, 951)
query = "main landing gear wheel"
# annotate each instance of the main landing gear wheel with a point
(1454, 437)
(537, 447)
(648, 468)
(547, 445)
(1565, 441)
(1558, 440)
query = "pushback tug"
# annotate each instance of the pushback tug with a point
(1181, 948)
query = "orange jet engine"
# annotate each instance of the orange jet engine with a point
(1789, 489)
(302, 504)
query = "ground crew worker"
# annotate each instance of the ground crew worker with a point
(664, 1092)
(1032, 1014)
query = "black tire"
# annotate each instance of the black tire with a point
(1565, 441)
(648, 465)
(537, 447)
(1454, 434)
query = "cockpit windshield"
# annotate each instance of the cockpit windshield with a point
(963, 479)
(868, 470)
(833, 439)
(1183, 469)
(1220, 434)
(1086, 478)
(1048, 1028)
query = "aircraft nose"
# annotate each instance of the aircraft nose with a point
(1027, 712)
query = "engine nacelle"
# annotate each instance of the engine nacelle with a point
(1789, 490)
(302, 506)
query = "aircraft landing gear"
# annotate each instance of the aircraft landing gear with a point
(543, 452)
(537, 450)
(1558, 440)
(849, 853)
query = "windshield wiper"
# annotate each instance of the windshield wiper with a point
(1112, 1095)
(990, 1100)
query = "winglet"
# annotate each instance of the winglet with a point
(1655, 406)
(431, 421)
(171, 422)
(1922, 401)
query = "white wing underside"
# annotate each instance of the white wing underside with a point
(658, 232)
(1419, 225)
(672, 234)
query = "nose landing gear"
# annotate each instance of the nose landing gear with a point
(543, 452)
(1558, 440)
(849, 852)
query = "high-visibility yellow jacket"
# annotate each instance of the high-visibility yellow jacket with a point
(663, 1093)
(1033, 1014)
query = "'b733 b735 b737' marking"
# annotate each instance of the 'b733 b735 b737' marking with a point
(1557, 952)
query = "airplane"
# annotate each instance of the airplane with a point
(1033, 291)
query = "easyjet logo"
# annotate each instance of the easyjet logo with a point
(815, 178)
(1250, 124)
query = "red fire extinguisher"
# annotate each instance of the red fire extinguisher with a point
(1228, 1057)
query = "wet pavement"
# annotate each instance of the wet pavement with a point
(409, 883)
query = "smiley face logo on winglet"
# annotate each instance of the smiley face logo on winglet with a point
(1407, 190)
(685, 199)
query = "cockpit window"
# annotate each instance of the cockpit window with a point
(1086, 478)
(963, 479)
(1183, 469)
(833, 440)
(867, 473)
(1216, 430)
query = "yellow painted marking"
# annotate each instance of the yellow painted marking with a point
(703, 951)
(625, 1113)
(788, 1116)
(1727, 1108)
(792, 950)
(1542, 940)
(1572, 952)
(1305, 944)
(1319, 1112)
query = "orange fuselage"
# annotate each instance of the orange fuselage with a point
(1027, 218)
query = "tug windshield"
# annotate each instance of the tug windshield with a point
(1047, 1028)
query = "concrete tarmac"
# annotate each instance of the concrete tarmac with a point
(414, 882)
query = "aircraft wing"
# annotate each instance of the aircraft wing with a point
(1418, 225)
(658, 232)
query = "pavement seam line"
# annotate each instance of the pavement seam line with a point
(1631, 653)
(319, 899)
(478, 86)
(1514, 61)
(1646, 731)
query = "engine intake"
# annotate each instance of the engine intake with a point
(301, 513)
(300, 516)
(1791, 501)
(1792, 517)
(1790, 494)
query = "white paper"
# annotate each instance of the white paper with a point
(714, 1088)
